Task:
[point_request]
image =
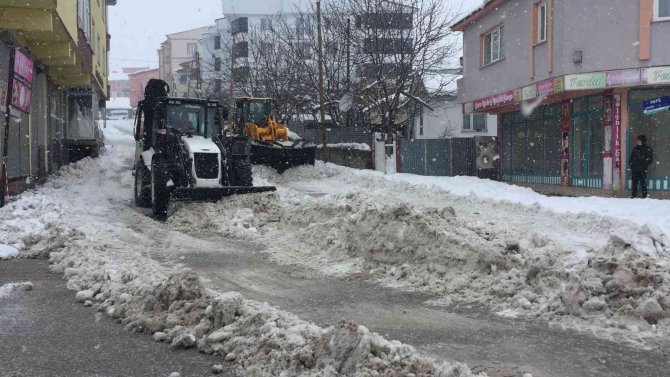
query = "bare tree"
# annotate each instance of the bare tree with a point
(379, 53)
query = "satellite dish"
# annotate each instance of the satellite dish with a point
(346, 103)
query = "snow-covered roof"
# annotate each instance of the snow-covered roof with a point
(119, 103)
(143, 71)
(485, 8)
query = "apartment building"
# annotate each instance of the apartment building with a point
(178, 49)
(573, 83)
(53, 78)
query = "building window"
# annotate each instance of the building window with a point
(217, 64)
(466, 122)
(662, 9)
(266, 24)
(191, 49)
(479, 122)
(493, 45)
(541, 35)
(474, 122)
(217, 42)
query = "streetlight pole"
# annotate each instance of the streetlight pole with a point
(322, 100)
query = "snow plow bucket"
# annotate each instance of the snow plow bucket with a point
(188, 194)
(282, 156)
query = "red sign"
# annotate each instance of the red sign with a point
(545, 88)
(22, 83)
(23, 66)
(616, 142)
(21, 96)
(623, 77)
(494, 101)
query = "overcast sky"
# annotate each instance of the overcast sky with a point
(139, 26)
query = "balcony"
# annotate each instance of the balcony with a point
(47, 28)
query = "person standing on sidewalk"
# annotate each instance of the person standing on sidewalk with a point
(640, 159)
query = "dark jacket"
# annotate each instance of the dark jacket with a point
(641, 157)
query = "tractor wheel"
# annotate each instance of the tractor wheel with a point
(160, 194)
(242, 172)
(142, 186)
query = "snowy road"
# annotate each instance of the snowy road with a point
(318, 248)
(485, 342)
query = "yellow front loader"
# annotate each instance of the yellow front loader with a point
(270, 142)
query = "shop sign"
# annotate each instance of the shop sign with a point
(547, 87)
(656, 105)
(494, 101)
(21, 96)
(23, 66)
(22, 83)
(616, 135)
(586, 81)
(529, 92)
(623, 77)
(656, 75)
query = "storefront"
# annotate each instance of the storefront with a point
(576, 130)
(532, 146)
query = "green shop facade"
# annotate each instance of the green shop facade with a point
(576, 130)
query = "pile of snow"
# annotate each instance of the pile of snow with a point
(8, 252)
(11, 288)
(617, 281)
(641, 212)
(264, 340)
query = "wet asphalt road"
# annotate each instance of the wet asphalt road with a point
(44, 332)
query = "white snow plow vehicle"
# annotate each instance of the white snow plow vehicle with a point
(183, 154)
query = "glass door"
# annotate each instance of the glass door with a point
(587, 142)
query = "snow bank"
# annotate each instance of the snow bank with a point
(262, 339)
(8, 252)
(608, 276)
(639, 211)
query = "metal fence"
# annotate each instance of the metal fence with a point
(439, 157)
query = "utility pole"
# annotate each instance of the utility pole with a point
(348, 114)
(232, 80)
(322, 100)
(198, 77)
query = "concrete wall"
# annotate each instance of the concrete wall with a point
(351, 158)
(606, 31)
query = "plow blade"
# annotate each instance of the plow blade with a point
(188, 194)
(282, 158)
